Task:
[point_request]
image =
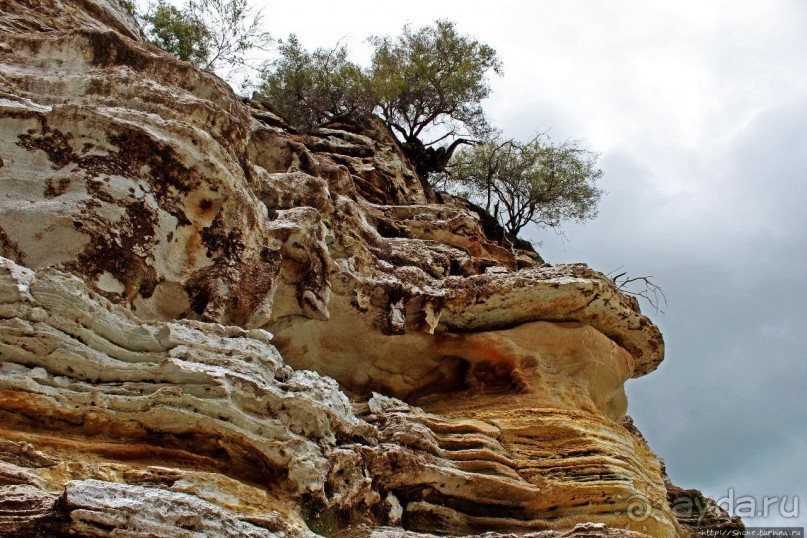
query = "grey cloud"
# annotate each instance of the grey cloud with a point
(726, 409)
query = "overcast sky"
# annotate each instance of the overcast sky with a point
(699, 109)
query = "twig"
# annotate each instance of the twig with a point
(651, 292)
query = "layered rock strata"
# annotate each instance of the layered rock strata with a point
(90, 393)
(212, 323)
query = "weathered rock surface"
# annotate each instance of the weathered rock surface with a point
(213, 324)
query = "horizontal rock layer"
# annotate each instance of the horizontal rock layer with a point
(89, 393)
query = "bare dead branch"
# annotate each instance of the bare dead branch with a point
(640, 287)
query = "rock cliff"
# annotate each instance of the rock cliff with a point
(213, 324)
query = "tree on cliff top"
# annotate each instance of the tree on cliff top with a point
(214, 35)
(309, 88)
(430, 81)
(432, 78)
(537, 182)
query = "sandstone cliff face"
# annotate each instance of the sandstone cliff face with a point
(212, 323)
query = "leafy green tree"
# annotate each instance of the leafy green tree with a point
(429, 81)
(432, 81)
(432, 77)
(310, 88)
(179, 32)
(537, 182)
(215, 35)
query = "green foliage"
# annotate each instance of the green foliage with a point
(432, 77)
(432, 81)
(309, 88)
(179, 32)
(129, 6)
(537, 182)
(215, 35)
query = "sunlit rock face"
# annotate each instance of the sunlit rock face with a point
(213, 323)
